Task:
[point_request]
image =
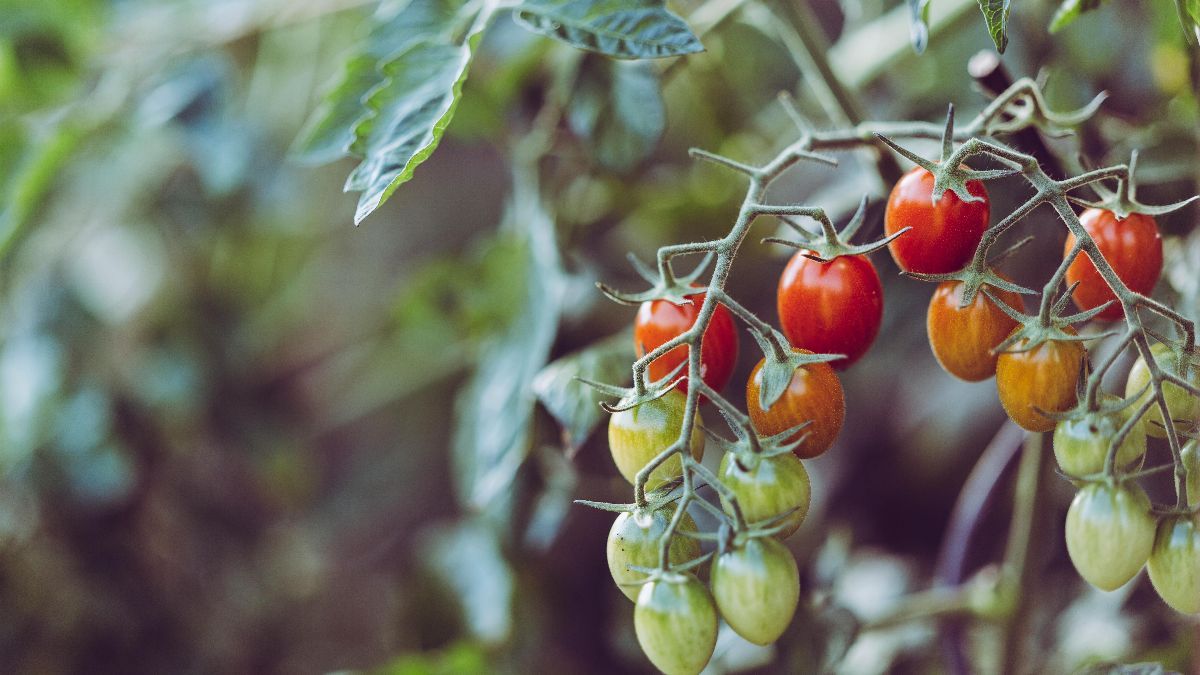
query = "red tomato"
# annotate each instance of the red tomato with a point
(813, 394)
(659, 321)
(1132, 247)
(944, 236)
(831, 308)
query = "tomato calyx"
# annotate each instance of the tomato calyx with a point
(1037, 329)
(750, 447)
(977, 275)
(1123, 201)
(630, 397)
(830, 243)
(664, 284)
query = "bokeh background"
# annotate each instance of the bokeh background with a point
(240, 435)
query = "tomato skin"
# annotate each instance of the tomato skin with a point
(1110, 533)
(634, 540)
(1044, 377)
(757, 588)
(767, 487)
(1133, 247)
(1174, 566)
(831, 308)
(638, 435)
(1184, 408)
(1191, 460)
(814, 393)
(1081, 445)
(944, 236)
(962, 339)
(676, 623)
(658, 321)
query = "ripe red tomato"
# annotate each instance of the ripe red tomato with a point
(831, 308)
(814, 394)
(1131, 246)
(1043, 377)
(943, 235)
(658, 321)
(962, 339)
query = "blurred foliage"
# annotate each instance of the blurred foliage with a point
(238, 434)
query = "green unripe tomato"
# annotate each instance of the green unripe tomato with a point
(676, 623)
(638, 435)
(757, 588)
(634, 540)
(1110, 533)
(1081, 445)
(765, 487)
(1185, 408)
(1191, 461)
(1174, 565)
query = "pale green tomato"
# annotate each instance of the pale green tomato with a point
(1110, 533)
(634, 540)
(1185, 408)
(765, 487)
(1081, 445)
(676, 623)
(1174, 565)
(757, 588)
(638, 435)
(1191, 460)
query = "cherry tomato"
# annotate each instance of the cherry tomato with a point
(831, 308)
(676, 623)
(638, 435)
(1184, 408)
(1131, 246)
(767, 487)
(1191, 460)
(944, 235)
(1043, 377)
(634, 540)
(757, 588)
(1110, 533)
(814, 394)
(1174, 565)
(1081, 445)
(659, 321)
(962, 339)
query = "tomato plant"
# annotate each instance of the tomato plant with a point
(830, 307)
(1174, 565)
(1131, 245)
(1043, 377)
(634, 540)
(639, 434)
(676, 623)
(768, 487)
(756, 585)
(1183, 406)
(814, 394)
(660, 320)
(944, 233)
(1110, 533)
(963, 339)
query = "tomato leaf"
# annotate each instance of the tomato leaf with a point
(995, 15)
(1071, 10)
(617, 108)
(918, 11)
(574, 405)
(466, 558)
(628, 29)
(1189, 16)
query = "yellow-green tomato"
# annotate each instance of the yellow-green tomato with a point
(766, 487)
(1110, 533)
(1081, 445)
(1191, 461)
(1184, 408)
(640, 434)
(676, 623)
(1174, 565)
(634, 540)
(757, 587)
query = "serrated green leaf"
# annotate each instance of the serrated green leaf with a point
(995, 15)
(617, 108)
(627, 29)
(919, 23)
(574, 405)
(1069, 11)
